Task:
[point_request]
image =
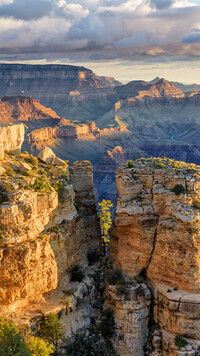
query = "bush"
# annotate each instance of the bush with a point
(38, 347)
(122, 290)
(4, 189)
(180, 341)
(39, 185)
(33, 161)
(108, 323)
(84, 345)
(130, 164)
(11, 342)
(196, 204)
(114, 277)
(10, 172)
(93, 257)
(178, 189)
(76, 274)
(50, 330)
(59, 188)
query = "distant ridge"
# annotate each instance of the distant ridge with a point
(186, 88)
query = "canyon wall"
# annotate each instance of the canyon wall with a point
(155, 237)
(49, 225)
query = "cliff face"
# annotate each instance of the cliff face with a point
(21, 108)
(48, 226)
(155, 235)
(11, 138)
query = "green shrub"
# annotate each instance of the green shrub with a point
(196, 204)
(180, 341)
(76, 274)
(33, 161)
(178, 189)
(39, 347)
(50, 330)
(158, 165)
(10, 171)
(130, 164)
(39, 185)
(59, 188)
(11, 342)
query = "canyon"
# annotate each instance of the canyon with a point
(150, 278)
(83, 116)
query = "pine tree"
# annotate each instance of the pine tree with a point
(50, 330)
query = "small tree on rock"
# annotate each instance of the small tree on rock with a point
(50, 330)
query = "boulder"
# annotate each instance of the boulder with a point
(156, 342)
(24, 167)
(10, 164)
(46, 155)
(58, 162)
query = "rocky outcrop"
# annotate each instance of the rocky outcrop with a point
(45, 232)
(131, 317)
(20, 108)
(155, 235)
(11, 138)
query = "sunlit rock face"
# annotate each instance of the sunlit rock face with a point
(22, 108)
(11, 138)
(44, 234)
(156, 235)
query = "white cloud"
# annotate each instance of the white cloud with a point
(3, 2)
(99, 29)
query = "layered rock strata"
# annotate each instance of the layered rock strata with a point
(155, 235)
(43, 236)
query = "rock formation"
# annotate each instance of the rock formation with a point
(21, 108)
(48, 226)
(155, 236)
(11, 138)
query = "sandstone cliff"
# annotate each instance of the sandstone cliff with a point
(155, 236)
(21, 108)
(11, 138)
(48, 226)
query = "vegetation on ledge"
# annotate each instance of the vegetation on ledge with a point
(164, 162)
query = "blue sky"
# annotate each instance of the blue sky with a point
(128, 39)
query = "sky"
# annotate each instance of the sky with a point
(127, 39)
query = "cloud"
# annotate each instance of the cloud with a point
(161, 4)
(23, 9)
(97, 30)
(192, 38)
